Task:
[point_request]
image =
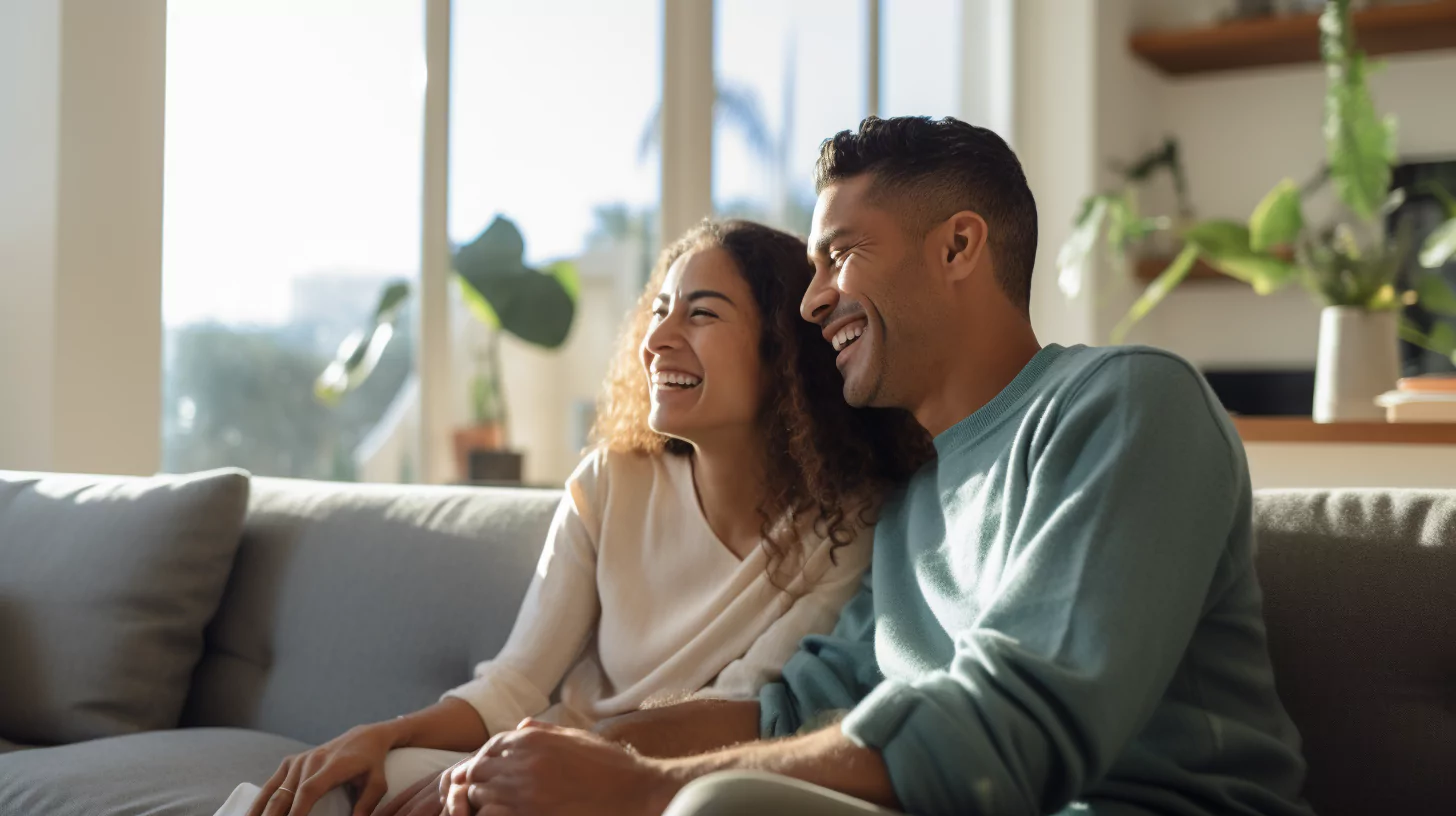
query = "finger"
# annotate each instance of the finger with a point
(281, 799)
(261, 800)
(397, 804)
(425, 803)
(373, 791)
(314, 782)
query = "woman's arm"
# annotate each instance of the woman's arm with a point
(557, 617)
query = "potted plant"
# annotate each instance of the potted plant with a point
(1351, 265)
(505, 295)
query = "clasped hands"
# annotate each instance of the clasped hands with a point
(539, 770)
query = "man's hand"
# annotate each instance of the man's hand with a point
(424, 798)
(544, 770)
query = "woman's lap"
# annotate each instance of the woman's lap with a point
(402, 769)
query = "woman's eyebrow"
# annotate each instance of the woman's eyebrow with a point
(709, 293)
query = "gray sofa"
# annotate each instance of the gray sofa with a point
(341, 604)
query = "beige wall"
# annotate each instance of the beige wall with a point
(81, 234)
(1241, 132)
(30, 113)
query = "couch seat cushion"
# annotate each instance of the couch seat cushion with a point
(106, 587)
(188, 772)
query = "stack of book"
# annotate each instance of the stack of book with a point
(1430, 398)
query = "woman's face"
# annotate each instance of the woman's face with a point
(700, 355)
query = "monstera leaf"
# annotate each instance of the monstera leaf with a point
(537, 306)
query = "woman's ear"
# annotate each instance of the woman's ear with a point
(964, 244)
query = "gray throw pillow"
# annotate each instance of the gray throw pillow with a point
(106, 585)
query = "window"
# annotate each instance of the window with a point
(553, 126)
(294, 186)
(292, 193)
(920, 55)
(788, 73)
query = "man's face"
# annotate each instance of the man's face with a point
(868, 294)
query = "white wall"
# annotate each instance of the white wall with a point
(81, 97)
(1241, 132)
(1055, 138)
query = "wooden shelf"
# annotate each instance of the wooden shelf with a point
(1148, 269)
(1306, 430)
(1295, 39)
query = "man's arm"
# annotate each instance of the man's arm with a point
(687, 729)
(544, 770)
(826, 758)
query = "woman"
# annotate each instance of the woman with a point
(722, 516)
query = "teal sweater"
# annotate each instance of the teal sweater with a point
(1062, 610)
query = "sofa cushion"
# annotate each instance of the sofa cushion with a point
(356, 603)
(188, 772)
(1360, 599)
(106, 587)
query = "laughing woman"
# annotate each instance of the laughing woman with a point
(722, 515)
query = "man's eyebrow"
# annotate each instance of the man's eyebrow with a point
(709, 293)
(821, 246)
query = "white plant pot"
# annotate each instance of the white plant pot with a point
(1359, 359)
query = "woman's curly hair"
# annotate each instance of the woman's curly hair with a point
(827, 461)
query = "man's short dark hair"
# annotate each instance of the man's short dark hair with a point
(933, 168)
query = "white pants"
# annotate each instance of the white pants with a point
(402, 769)
(731, 793)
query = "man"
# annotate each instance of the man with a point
(1062, 610)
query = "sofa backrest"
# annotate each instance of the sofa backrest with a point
(355, 603)
(1360, 602)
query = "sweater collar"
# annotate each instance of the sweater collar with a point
(985, 417)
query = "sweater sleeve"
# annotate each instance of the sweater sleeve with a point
(812, 613)
(827, 675)
(1129, 509)
(556, 618)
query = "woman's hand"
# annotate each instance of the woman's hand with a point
(355, 757)
(424, 798)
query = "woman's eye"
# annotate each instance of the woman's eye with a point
(659, 312)
(702, 313)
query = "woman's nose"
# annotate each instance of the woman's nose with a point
(664, 336)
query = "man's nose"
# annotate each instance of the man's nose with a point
(820, 299)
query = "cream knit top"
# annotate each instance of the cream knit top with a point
(636, 600)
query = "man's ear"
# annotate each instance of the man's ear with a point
(964, 244)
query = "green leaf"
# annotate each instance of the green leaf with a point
(1166, 282)
(566, 274)
(1440, 245)
(1225, 245)
(359, 353)
(1359, 145)
(1265, 273)
(1436, 296)
(1072, 259)
(1278, 218)
(1219, 237)
(1438, 190)
(477, 305)
(533, 305)
(355, 361)
(1443, 338)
